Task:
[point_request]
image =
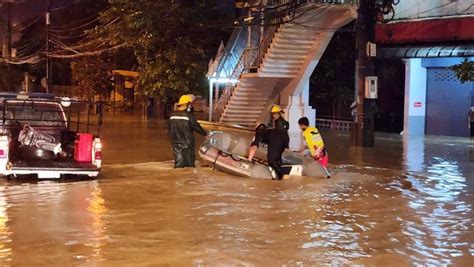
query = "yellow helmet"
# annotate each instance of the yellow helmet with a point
(185, 99)
(276, 109)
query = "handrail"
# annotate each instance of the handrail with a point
(275, 15)
(229, 89)
(340, 125)
(229, 50)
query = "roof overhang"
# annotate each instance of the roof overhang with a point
(126, 73)
(426, 51)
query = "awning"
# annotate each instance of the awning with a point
(126, 73)
(426, 52)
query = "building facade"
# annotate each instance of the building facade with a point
(430, 37)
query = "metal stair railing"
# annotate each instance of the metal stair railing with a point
(228, 90)
(273, 16)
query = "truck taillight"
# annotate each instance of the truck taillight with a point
(98, 150)
(3, 153)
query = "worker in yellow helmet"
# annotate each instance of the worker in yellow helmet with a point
(182, 125)
(278, 121)
(314, 142)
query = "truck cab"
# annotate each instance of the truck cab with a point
(49, 137)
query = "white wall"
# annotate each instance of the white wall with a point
(419, 9)
(415, 97)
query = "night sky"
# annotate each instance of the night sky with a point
(31, 8)
(26, 10)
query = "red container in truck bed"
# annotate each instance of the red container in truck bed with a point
(83, 148)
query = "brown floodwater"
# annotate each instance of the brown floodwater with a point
(402, 203)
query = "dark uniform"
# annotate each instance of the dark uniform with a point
(277, 141)
(471, 121)
(280, 124)
(182, 125)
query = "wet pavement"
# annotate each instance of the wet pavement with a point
(401, 203)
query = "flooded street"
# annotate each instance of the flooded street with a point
(399, 204)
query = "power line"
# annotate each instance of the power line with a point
(75, 28)
(85, 54)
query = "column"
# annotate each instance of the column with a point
(297, 106)
(415, 97)
(211, 101)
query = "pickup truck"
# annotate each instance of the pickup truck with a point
(38, 136)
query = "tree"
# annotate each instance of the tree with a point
(92, 76)
(464, 71)
(171, 40)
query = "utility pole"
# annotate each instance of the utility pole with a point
(8, 39)
(49, 63)
(364, 132)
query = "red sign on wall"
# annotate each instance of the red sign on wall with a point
(418, 105)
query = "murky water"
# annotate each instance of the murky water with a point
(399, 204)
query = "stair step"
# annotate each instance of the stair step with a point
(241, 107)
(247, 104)
(248, 89)
(280, 67)
(249, 121)
(293, 28)
(303, 35)
(288, 51)
(278, 70)
(291, 47)
(289, 60)
(231, 110)
(287, 54)
(248, 98)
(276, 74)
(295, 58)
(240, 116)
(249, 94)
(293, 42)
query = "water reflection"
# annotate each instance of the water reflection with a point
(61, 220)
(440, 224)
(5, 234)
(399, 204)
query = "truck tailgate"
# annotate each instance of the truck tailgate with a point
(53, 165)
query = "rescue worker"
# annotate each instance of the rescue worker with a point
(314, 142)
(277, 119)
(182, 125)
(277, 141)
(470, 119)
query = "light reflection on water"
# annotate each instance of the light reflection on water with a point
(443, 227)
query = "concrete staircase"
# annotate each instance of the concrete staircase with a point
(292, 55)
(287, 52)
(248, 101)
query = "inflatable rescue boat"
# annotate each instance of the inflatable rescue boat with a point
(228, 153)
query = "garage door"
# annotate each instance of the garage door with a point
(448, 102)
